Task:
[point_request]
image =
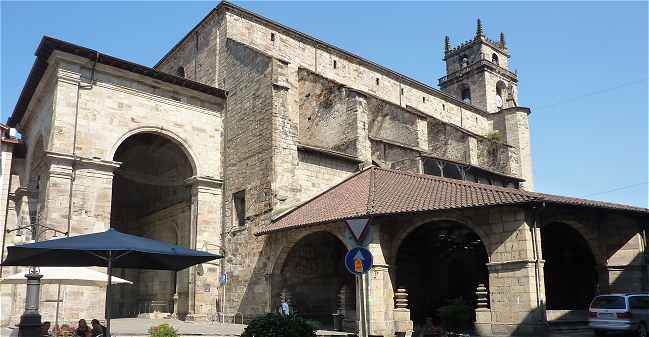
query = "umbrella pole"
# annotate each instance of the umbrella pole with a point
(58, 302)
(108, 292)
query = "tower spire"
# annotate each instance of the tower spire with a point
(501, 43)
(479, 30)
(447, 43)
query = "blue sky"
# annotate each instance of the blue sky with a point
(582, 65)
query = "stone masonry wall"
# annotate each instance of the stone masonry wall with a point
(324, 120)
(247, 167)
(391, 122)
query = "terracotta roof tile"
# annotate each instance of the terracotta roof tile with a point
(376, 191)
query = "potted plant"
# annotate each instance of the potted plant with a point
(456, 317)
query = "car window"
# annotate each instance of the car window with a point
(608, 302)
(639, 302)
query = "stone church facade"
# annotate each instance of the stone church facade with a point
(256, 141)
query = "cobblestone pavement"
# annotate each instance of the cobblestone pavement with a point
(127, 327)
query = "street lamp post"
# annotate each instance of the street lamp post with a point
(30, 320)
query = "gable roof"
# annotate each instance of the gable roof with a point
(48, 45)
(376, 191)
(228, 6)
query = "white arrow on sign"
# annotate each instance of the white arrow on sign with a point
(357, 227)
(359, 256)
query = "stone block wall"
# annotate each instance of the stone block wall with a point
(324, 119)
(445, 141)
(248, 167)
(392, 122)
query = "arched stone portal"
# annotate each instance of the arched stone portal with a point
(314, 278)
(438, 262)
(152, 199)
(570, 270)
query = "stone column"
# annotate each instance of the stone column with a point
(516, 297)
(379, 289)
(78, 200)
(205, 234)
(357, 105)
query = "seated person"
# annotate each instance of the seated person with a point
(45, 328)
(97, 328)
(83, 330)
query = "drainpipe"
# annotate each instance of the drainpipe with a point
(537, 260)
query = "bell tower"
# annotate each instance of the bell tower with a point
(477, 72)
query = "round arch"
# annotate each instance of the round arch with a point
(183, 145)
(586, 234)
(294, 237)
(150, 198)
(309, 273)
(570, 268)
(398, 240)
(438, 262)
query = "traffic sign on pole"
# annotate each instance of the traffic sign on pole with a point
(358, 260)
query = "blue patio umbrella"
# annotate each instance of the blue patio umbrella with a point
(106, 249)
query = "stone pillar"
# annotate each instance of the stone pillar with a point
(380, 294)
(515, 294)
(78, 199)
(205, 234)
(357, 105)
(517, 134)
(422, 133)
(402, 323)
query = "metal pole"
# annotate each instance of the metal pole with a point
(58, 302)
(30, 321)
(108, 292)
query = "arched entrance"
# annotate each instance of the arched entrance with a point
(439, 262)
(569, 270)
(314, 280)
(151, 199)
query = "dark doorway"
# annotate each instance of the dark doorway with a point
(315, 280)
(151, 199)
(569, 269)
(439, 262)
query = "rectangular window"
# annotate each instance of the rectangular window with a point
(335, 64)
(239, 200)
(377, 81)
(272, 36)
(423, 99)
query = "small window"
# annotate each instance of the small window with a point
(444, 107)
(180, 72)
(239, 200)
(494, 58)
(402, 91)
(466, 95)
(377, 81)
(423, 99)
(272, 36)
(335, 64)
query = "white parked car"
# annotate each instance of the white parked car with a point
(620, 313)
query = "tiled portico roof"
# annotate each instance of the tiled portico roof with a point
(376, 191)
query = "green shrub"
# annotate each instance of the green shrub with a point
(163, 330)
(456, 317)
(276, 325)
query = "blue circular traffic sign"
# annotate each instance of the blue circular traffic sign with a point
(358, 260)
